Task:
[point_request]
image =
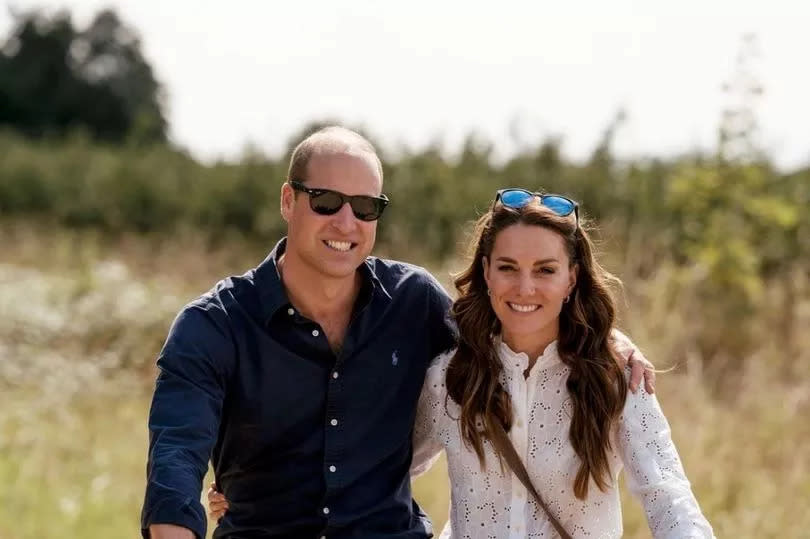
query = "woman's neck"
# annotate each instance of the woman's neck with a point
(531, 344)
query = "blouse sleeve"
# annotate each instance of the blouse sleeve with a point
(654, 471)
(426, 443)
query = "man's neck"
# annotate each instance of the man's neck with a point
(317, 297)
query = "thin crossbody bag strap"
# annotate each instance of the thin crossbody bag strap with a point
(505, 447)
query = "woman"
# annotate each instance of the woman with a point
(538, 354)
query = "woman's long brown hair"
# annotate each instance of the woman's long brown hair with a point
(596, 382)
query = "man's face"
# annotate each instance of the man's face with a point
(332, 245)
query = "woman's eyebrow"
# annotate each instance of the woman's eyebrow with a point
(537, 262)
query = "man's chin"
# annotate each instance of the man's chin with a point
(342, 270)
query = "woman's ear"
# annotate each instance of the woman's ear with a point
(485, 267)
(573, 272)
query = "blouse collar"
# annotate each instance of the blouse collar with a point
(519, 361)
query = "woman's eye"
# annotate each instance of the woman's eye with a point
(547, 271)
(505, 268)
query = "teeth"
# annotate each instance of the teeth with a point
(339, 245)
(523, 308)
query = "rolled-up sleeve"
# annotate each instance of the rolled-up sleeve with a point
(184, 418)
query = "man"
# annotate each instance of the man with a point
(300, 379)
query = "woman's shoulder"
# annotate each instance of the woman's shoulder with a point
(434, 390)
(438, 365)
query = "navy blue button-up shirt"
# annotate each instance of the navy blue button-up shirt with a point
(303, 443)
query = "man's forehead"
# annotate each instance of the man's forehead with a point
(357, 164)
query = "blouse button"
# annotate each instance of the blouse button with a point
(334, 422)
(335, 375)
(315, 332)
(291, 311)
(332, 469)
(325, 510)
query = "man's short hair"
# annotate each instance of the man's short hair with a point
(331, 140)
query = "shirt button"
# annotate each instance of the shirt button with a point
(335, 375)
(333, 422)
(315, 332)
(291, 311)
(325, 510)
(332, 469)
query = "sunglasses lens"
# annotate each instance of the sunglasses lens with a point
(514, 198)
(559, 205)
(366, 208)
(326, 203)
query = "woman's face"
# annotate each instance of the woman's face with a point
(529, 275)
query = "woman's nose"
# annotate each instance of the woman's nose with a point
(527, 287)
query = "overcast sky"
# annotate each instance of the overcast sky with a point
(418, 71)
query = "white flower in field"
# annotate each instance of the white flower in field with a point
(111, 271)
(70, 507)
(99, 484)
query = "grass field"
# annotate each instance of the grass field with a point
(81, 320)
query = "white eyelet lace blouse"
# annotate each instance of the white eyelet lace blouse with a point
(491, 504)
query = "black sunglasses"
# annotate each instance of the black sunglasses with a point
(517, 198)
(328, 202)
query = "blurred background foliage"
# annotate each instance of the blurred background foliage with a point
(108, 228)
(55, 78)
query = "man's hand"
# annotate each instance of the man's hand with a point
(217, 504)
(169, 531)
(639, 366)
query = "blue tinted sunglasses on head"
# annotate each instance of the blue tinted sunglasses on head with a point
(517, 198)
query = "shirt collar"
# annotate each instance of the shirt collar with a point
(520, 360)
(273, 296)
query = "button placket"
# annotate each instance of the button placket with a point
(517, 508)
(519, 436)
(333, 447)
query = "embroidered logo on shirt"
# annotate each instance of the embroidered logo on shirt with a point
(394, 358)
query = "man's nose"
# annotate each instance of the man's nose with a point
(344, 220)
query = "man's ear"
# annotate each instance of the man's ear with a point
(287, 201)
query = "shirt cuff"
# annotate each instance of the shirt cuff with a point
(184, 512)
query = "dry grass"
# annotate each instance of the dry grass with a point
(81, 319)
